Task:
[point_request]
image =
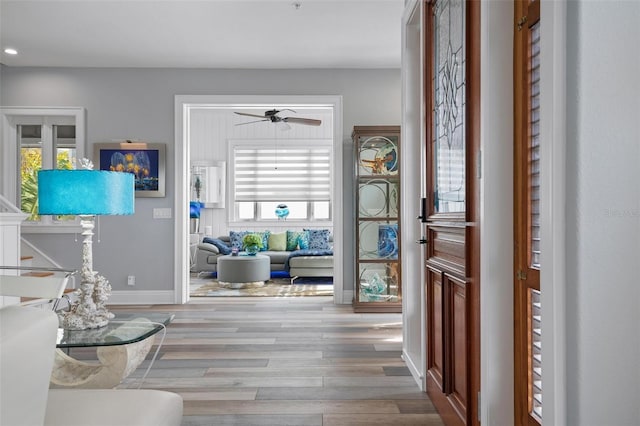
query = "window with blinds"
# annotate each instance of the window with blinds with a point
(274, 174)
(298, 174)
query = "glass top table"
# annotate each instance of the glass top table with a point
(124, 329)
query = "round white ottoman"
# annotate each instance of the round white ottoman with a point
(241, 271)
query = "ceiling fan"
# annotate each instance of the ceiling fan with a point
(272, 116)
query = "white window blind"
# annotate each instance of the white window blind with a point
(284, 173)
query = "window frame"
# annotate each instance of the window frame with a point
(11, 118)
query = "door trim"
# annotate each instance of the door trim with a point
(181, 167)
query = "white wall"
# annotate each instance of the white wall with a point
(496, 215)
(139, 104)
(413, 152)
(603, 213)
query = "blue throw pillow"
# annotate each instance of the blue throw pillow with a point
(221, 245)
(292, 240)
(236, 238)
(265, 239)
(303, 240)
(318, 239)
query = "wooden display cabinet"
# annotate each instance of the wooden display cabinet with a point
(378, 283)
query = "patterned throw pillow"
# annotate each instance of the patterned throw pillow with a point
(236, 238)
(265, 239)
(303, 240)
(318, 239)
(223, 248)
(297, 239)
(278, 241)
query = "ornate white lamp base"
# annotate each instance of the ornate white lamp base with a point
(90, 310)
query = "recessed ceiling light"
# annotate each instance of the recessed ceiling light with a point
(10, 51)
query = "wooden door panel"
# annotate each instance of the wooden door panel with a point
(435, 335)
(459, 346)
(447, 245)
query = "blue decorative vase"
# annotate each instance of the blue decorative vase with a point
(388, 241)
(282, 211)
(252, 250)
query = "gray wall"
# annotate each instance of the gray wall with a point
(139, 104)
(603, 213)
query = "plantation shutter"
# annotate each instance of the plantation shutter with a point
(276, 174)
(534, 146)
(534, 316)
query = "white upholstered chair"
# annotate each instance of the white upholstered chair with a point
(27, 344)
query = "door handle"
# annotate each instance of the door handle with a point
(422, 241)
(423, 210)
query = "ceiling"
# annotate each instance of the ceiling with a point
(202, 34)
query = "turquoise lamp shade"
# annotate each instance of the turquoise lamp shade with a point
(85, 192)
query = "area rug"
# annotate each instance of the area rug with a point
(275, 287)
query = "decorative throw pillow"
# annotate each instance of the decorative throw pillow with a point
(293, 238)
(265, 239)
(278, 241)
(318, 239)
(236, 238)
(221, 245)
(303, 240)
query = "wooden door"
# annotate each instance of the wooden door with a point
(527, 320)
(452, 255)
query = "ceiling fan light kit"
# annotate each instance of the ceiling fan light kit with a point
(272, 116)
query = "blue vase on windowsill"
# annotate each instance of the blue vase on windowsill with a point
(252, 250)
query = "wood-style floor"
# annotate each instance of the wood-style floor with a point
(293, 361)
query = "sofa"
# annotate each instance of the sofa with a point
(301, 258)
(27, 344)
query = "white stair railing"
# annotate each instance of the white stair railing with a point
(40, 258)
(7, 206)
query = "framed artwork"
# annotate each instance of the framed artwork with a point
(146, 161)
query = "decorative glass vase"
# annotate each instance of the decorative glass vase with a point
(252, 250)
(282, 211)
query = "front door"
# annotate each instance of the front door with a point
(452, 286)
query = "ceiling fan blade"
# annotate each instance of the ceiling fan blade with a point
(249, 122)
(249, 115)
(307, 121)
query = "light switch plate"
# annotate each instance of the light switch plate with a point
(162, 213)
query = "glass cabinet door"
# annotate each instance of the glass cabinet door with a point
(377, 225)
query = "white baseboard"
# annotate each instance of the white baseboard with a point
(415, 371)
(160, 297)
(347, 297)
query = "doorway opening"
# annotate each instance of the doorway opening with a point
(208, 130)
